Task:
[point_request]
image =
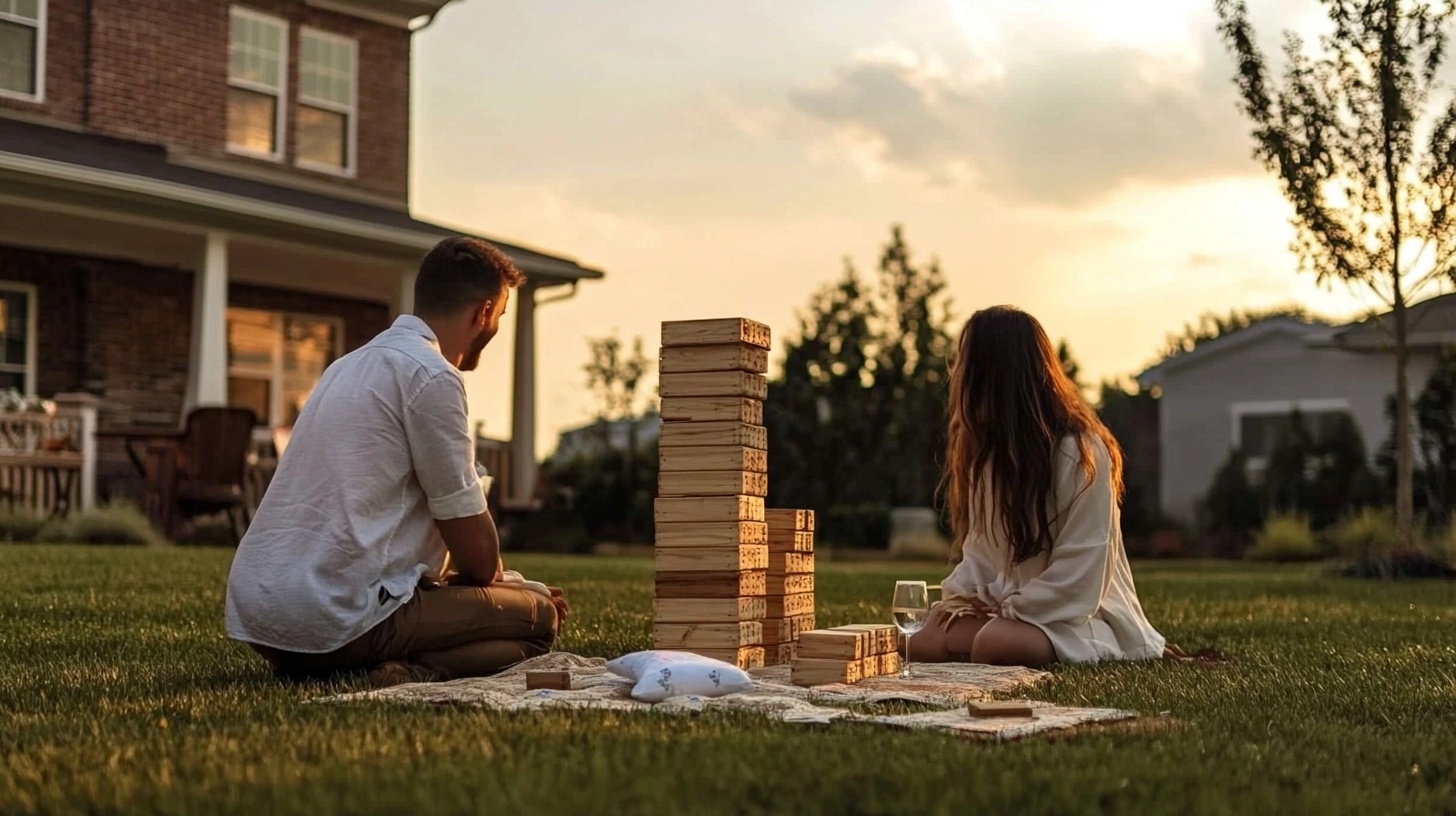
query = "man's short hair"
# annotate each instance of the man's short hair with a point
(460, 272)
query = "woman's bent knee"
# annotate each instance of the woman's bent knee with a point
(1004, 642)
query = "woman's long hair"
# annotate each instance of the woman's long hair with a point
(1011, 404)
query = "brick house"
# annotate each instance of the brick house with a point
(202, 203)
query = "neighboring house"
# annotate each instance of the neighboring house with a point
(204, 202)
(586, 440)
(1236, 392)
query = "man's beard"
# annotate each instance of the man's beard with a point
(472, 357)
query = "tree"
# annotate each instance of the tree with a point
(1070, 366)
(616, 377)
(1369, 209)
(1211, 326)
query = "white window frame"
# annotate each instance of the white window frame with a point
(1257, 465)
(39, 96)
(350, 111)
(280, 118)
(275, 381)
(31, 366)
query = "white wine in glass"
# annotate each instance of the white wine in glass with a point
(910, 609)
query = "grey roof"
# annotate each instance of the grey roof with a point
(151, 161)
(1430, 322)
(1311, 332)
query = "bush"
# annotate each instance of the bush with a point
(1284, 538)
(864, 526)
(115, 523)
(20, 528)
(1371, 533)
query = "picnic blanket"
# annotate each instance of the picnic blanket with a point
(945, 686)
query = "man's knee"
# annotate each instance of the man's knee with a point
(548, 619)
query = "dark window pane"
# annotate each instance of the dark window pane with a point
(14, 326)
(322, 136)
(17, 58)
(12, 379)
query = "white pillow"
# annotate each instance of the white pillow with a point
(663, 674)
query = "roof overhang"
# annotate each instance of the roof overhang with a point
(102, 190)
(397, 13)
(1310, 332)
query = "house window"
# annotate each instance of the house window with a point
(257, 77)
(22, 49)
(17, 337)
(1260, 429)
(326, 101)
(275, 359)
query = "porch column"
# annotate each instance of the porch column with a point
(523, 399)
(406, 301)
(207, 384)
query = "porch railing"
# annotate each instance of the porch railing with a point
(48, 455)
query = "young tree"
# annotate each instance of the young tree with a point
(616, 377)
(1370, 208)
(1070, 366)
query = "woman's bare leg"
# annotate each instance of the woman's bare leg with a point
(937, 643)
(1002, 642)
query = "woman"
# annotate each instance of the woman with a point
(1033, 480)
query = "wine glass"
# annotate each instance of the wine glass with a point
(910, 609)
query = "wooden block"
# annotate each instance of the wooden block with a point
(780, 541)
(835, 644)
(708, 610)
(706, 635)
(884, 636)
(809, 671)
(557, 680)
(712, 409)
(790, 563)
(744, 657)
(889, 663)
(708, 508)
(713, 384)
(716, 331)
(797, 584)
(712, 457)
(678, 585)
(783, 653)
(786, 630)
(711, 533)
(779, 518)
(707, 559)
(709, 434)
(788, 606)
(712, 483)
(1001, 709)
(720, 357)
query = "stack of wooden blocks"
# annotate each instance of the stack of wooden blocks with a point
(846, 654)
(712, 551)
(790, 582)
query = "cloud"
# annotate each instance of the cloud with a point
(1060, 130)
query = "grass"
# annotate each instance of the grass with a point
(119, 693)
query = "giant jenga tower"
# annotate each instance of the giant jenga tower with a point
(712, 542)
(790, 582)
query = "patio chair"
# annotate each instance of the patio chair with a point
(204, 473)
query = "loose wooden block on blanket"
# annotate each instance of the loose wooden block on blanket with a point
(835, 644)
(711, 534)
(787, 606)
(708, 434)
(781, 562)
(709, 610)
(788, 541)
(705, 559)
(715, 584)
(889, 663)
(746, 657)
(720, 357)
(712, 483)
(713, 384)
(716, 331)
(711, 457)
(883, 637)
(808, 671)
(798, 584)
(555, 680)
(708, 508)
(779, 518)
(707, 635)
(998, 709)
(712, 409)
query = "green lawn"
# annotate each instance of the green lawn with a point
(119, 693)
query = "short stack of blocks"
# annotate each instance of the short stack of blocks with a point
(846, 654)
(711, 539)
(790, 582)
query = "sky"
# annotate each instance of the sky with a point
(1089, 166)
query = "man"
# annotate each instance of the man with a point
(341, 567)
